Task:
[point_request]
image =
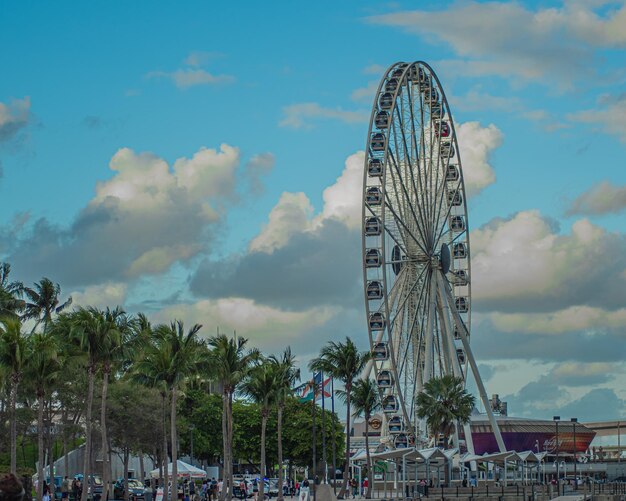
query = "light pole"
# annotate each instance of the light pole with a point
(574, 421)
(191, 427)
(558, 476)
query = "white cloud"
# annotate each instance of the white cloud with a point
(109, 294)
(13, 117)
(200, 58)
(290, 215)
(267, 328)
(609, 117)
(476, 144)
(603, 198)
(574, 318)
(301, 115)
(188, 77)
(143, 219)
(558, 43)
(524, 264)
(374, 69)
(365, 94)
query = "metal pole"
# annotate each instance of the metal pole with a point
(323, 433)
(575, 420)
(314, 439)
(191, 441)
(556, 419)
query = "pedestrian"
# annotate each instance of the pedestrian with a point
(46, 492)
(304, 490)
(11, 489)
(366, 485)
(65, 488)
(353, 485)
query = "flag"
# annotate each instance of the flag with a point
(304, 392)
(320, 388)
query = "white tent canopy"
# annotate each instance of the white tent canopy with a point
(184, 470)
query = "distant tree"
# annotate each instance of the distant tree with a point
(287, 375)
(14, 354)
(261, 386)
(229, 364)
(42, 301)
(366, 402)
(11, 292)
(444, 402)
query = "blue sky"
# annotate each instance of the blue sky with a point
(261, 234)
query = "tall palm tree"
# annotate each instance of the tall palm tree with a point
(261, 387)
(366, 401)
(287, 375)
(42, 301)
(229, 365)
(150, 369)
(343, 362)
(444, 402)
(92, 333)
(114, 328)
(11, 292)
(42, 369)
(14, 354)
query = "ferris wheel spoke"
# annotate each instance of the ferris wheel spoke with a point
(409, 164)
(389, 206)
(448, 212)
(408, 200)
(413, 287)
(420, 206)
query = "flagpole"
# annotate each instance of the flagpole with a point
(324, 433)
(332, 403)
(314, 440)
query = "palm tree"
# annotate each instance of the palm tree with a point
(14, 354)
(42, 369)
(444, 402)
(92, 333)
(42, 301)
(184, 350)
(366, 401)
(113, 331)
(344, 362)
(229, 364)
(287, 375)
(261, 387)
(10, 293)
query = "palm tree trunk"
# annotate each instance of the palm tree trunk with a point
(227, 418)
(344, 486)
(263, 427)
(40, 447)
(224, 444)
(126, 460)
(50, 450)
(165, 455)
(174, 445)
(87, 458)
(103, 427)
(66, 462)
(368, 459)
(14, 383)
(279, 429)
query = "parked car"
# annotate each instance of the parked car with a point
(136, 489)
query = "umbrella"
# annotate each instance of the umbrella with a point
(184, 470)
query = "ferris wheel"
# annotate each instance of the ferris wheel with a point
(416, 248)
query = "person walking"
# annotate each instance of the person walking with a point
(304, 490)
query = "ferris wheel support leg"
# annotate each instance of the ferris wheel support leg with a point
(444, 309)
(470, 356)
(430, 325)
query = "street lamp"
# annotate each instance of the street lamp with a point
(556, 420)
(574, 421)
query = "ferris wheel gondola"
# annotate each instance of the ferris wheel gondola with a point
(416, 247)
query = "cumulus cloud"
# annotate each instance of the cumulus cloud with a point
(487, 35)
(14, 117)
(603, 198)
(143, 219)
(524, 264)
(270, 329)
(365, 94)
(609, 117)
(476, 144)
(257, 168)
(189, 77)
(303, 115)
(108, 294)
